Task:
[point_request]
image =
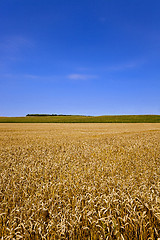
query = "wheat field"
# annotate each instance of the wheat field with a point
(80, 181)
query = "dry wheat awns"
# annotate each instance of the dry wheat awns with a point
(80, 181)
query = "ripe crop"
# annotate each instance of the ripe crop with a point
(80, 181)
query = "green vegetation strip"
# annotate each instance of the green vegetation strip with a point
(83, 119)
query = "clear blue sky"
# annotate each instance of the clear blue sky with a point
(91, 57)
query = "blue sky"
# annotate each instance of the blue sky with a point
(90, 57)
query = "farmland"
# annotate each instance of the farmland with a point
(83, 119)
(80, 181)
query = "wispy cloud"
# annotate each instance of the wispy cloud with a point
(120, 67)
(14, 43)
(49, 78)
(20, 76)
(31, 77)
(131, 64)
(125, 66)
(102, 19)
(83, 69)
(12, 48)
(81, 76)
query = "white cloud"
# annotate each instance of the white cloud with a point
(81, 76)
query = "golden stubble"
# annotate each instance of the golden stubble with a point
(80, 181)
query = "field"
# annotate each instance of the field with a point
(83, 119)
(80, 181)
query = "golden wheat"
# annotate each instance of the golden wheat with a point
(80, 181)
